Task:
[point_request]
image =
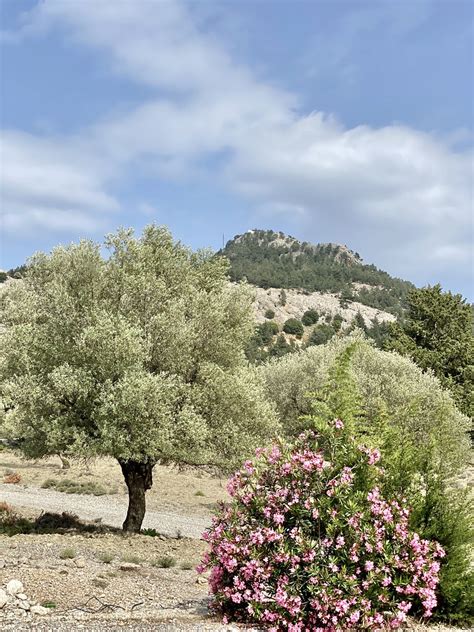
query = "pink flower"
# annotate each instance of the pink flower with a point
(292, 521)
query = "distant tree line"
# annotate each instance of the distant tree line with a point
(13, 273)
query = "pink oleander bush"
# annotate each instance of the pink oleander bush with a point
(308, 542)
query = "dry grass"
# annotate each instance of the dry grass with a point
(67, 554)
(77, 487)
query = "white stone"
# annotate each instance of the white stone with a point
(38, 610)
(3, 598)
(80, 563)
(21, 596)
(14, 587)
(24, 605)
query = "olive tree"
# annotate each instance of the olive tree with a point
(390, 386)
(137, 355)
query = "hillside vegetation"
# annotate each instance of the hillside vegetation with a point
(270, 259)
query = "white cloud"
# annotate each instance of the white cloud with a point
(51, 183)
(402, 193)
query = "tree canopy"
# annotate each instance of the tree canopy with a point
(138, 356)
(437, 334)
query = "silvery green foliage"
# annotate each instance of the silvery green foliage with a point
(139, 354)
(402, 405)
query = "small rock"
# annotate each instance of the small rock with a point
(129, 566)
(2, 563)
(14, 587)
(23, 560)
(24, 605)
(201, 580)
(38, 610)
(3, 598)
(80, 563)
(63, 571)
(21, 596)
(13, 545)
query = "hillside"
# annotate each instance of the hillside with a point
(269, 259)
(325, 304)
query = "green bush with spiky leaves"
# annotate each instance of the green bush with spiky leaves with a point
(404, 412)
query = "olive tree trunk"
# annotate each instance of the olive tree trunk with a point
(138, 478)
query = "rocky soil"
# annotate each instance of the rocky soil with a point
(103, 580)
(297, 302)
(74, 579)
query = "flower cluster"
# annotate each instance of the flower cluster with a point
(308, 542)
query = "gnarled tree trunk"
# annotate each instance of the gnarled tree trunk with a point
(139, 478)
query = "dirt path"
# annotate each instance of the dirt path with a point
(110, 509)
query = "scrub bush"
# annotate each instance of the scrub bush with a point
(308, 541)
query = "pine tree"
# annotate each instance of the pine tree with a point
(437, 334)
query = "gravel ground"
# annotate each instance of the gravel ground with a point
(110, 509)
(114, 582)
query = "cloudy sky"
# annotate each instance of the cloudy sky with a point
(344, 121)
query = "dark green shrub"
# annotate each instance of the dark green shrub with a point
(265, 332)
(270, 314)
(310, 317)
(153, 533)
(359, 322)
(321, 334)
(337, 322)
(281, 347)
(294, 326)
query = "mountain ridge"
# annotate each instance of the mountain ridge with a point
(270, 259)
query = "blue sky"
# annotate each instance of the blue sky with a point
(342, 121)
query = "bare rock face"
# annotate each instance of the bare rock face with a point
(14, 587)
